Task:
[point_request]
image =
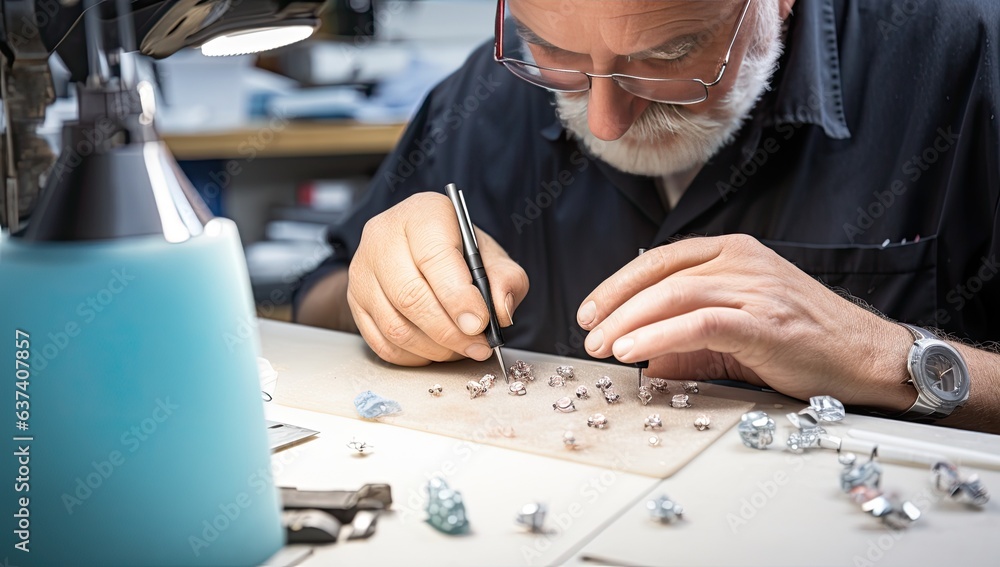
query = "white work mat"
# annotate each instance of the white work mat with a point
(537, 428)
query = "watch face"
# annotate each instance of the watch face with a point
(942, 373)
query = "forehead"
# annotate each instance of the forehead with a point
(620, 26)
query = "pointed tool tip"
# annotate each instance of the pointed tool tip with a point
(503, 367)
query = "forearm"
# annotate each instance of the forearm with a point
(325, 305)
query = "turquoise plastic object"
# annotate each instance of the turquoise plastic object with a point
(144, 440)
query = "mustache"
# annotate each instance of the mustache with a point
(658, 120)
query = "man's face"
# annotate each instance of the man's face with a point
(654, 39)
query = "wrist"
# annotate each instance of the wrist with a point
(882, 383)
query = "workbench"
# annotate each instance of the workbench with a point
(741, 506)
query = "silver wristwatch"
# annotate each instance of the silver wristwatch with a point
(940, 375)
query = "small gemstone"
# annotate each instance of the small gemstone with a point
(611, 396)
(522, 371)
(653, 422)
(680, 401)
(827, 408)
(756, 429)
(556, 381)
(566, 372)
(645, 395)
(445, 508)
(569, 440)
(371, 405)
(661, 385)
(702, 422)
(564, 404)
(488, 380)
(532, 516)
(690, 387)
(603, 383)
(597, 420)
(582, 393)
(516, 389)
(475, 389)
(664, 510)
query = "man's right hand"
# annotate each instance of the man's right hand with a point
(410, 290)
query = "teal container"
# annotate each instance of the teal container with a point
(144, 440)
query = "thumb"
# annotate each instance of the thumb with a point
(508, 281)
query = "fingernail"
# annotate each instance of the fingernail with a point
(508, 304)
(595, 340)
(469, 323)
(623, 346)
(587, 313)
(478, 351)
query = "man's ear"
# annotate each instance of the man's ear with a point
(786, 8)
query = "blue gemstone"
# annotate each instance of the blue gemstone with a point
(371, 405)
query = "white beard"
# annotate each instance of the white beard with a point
(667, 139)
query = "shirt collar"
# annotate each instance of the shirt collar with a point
(807, 87)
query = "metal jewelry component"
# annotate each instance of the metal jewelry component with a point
(661, 385)
(597, 420)
(645, 394)
(603, 383)
(809, 431)
(827, 408)
(435, 390)
(690, 387)
(371, 405)
(582, 393)
(653, 441)
(854, 475)
(893, 511)
(532, 516)
(664, 510)
(611, 396)
(702, 422)
(488, 380)
(569, 440)
(522, 371)
(475, 389)
(360, 446)
(756, 429)
(557, 381)
(564, 404)
(445, 508)
(680, 401)
(517, 389)
(566, 372)
(948, 481)
(653, 422)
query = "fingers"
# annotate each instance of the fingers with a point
(643, 272)
(668, 298)
(718, 329)
(508, 281)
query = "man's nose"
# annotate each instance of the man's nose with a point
(611, 110)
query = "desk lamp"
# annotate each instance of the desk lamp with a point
(134, 422)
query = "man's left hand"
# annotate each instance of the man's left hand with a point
(729, 307)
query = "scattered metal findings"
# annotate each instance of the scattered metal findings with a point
(475, 389)
(653, 421)
(566, 372)
(597, 421)
(557, 381)
(517, 389)
(680, 401)
(532, 516)
(611, 396)
(661, 385)
(488, 380)
(653, 441)
(360, 447)
(522, 371)
(664, 510)
(582, 393)
(690, 387)
(645, 394)
(564, 405)
(435, 390)
(569, 440)
(603, 383)
(702, 422)
(948, 481)
(827, 408)
(756, 429)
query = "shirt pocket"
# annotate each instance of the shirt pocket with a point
(900, 280)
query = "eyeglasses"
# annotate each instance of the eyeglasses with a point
(670, 91)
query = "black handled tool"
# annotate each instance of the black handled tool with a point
(475, 262)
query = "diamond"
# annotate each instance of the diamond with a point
(532, 516)
(827, 408)
(645, 395)
(664, 510)
(661, 385)
(475, 389)
(653, 422)
(756, 429)
(680, 401)
(566, 372)
(597, 420)
(702, 422)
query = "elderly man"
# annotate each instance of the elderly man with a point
(796, 175)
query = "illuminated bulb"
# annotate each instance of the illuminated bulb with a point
(255, 40)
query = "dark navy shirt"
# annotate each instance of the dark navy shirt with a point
(873, 164)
